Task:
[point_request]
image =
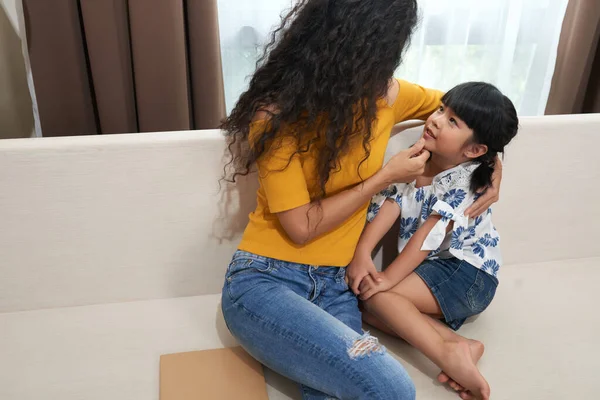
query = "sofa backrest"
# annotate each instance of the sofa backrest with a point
(549, 199)
(101, 219)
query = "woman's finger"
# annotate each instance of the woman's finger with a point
(465, 395)
(356, 282)
(423, 157)
(376, 276)
(498, 168)
(419, 163)
(416, 148)
(483, 203)
(366, 284)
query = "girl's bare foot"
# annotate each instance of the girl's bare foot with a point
(477, 349)
(458, 363)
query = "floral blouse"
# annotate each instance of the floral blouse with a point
(474, 240)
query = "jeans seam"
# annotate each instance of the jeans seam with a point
(354, 374)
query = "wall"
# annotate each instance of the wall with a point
(16, 115)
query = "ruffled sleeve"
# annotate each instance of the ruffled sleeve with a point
(393, 192)
(452, 197)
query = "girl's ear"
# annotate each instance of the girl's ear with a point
(475, 150)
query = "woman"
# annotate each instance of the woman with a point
(316, 120)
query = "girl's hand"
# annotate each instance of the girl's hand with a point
(491, 195)
(407, 165)
(361, 266)
(369, 287)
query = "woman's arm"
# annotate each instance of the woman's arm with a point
(410, 101)
(404, 126)
(491, 195)
(305, 223)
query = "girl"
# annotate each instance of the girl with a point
(448, 263)
(315, 121)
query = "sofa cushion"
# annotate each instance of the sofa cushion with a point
(541, 335)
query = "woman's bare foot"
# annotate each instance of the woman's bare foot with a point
(477, 349)
(458, 363)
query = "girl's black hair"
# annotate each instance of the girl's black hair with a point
(319, 80)
(492, 117)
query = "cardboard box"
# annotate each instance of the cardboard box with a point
(221, 374)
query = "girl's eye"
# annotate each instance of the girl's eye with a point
(453, 121)
(441, 109)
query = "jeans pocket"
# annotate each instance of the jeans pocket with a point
(244, 274)
(340, 279)
(481, 292)
(245, 262)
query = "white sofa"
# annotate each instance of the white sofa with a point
(113, 251)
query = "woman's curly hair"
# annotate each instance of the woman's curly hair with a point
(320, 78)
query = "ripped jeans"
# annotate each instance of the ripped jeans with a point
(304, 323)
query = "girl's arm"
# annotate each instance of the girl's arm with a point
(304, 223)
(412, 255)
(362, 263)
(406, 262)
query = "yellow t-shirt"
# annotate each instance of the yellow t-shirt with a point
(286, 184)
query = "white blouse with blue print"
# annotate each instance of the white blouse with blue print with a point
(474, 240)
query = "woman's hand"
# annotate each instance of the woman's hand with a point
(369, 287)
(407, 165)
(491, 195)
(361, 266)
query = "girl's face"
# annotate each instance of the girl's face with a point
(449, 138)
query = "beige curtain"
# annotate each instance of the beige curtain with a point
(120, 66)
(576, 82)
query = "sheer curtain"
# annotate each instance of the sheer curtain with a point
(244, 28)
(511, 43)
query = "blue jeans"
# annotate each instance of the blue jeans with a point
(303, 322)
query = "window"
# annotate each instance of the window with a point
(511, 43)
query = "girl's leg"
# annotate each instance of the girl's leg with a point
(419, 294)
(267, 308)
(414, 289)
(475, 346)
(401, 308)
(377, 323)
